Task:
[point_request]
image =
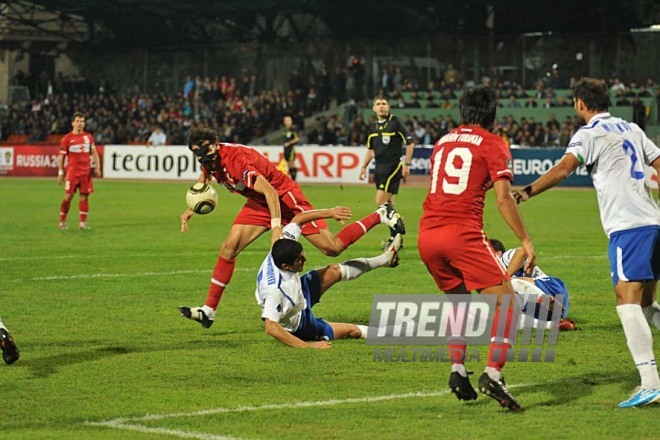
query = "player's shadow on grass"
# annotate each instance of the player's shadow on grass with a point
(570, 389)
(42, 367)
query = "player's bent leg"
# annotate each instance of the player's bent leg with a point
(326, 243)
(329, 276)
(240, 236)
(347, 331)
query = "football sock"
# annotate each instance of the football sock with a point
(493, 373)
(222, 273)
(64, 209)
(293, 172)
(460, 369)
(652, 314)
(351, 269)
(457, 356)
(83, 207)
(353, 232)
(499, 342)
(363, 329)
(640, 343)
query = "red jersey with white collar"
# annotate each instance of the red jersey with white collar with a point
(239, 168)
(464, 165)
(77, 148)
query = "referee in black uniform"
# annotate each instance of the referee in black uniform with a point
(290, 140)
(387, 136)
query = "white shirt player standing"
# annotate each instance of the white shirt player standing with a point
(615, 152)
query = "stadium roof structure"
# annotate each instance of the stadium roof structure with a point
(129, 23)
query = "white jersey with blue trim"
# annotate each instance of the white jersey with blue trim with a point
(506, 260)
(279, 292)
(615, 152)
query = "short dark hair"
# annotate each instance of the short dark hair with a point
(497, 245)
(199, 135)
(77, 115)
(285, 251)
(594, 93)
(478, 106)
(380, 97)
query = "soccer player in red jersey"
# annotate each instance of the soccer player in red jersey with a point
(77, 146)
(466, 163)
(273, 199)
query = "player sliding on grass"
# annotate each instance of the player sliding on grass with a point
(614, 152)
(287, 298)
(273, 199)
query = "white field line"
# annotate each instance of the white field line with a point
(129, 423)
(124, 255)
(126, 275)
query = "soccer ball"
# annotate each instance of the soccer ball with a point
(201, 198)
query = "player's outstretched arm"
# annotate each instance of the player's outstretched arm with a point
(339, 213)
(556, 174)
(509, 211)
(275, 330)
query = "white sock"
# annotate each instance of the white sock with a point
(493, 373)
(363, 329)
(460, 368)
(352, 269)
(652, 314)
(640, 343)
(210, 313)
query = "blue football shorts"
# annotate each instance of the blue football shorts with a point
(312, 328)
(635, 254)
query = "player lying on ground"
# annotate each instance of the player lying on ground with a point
(534, 283)
(287, 298)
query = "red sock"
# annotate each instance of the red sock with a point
(457, 353)
(499, 342)
(83, 207)
(64, 209)
(353, 232)
(221, 276)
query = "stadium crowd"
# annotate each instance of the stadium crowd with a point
(243, 113)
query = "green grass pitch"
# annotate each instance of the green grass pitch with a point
(94, 315)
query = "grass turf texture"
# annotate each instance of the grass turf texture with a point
(94, 315)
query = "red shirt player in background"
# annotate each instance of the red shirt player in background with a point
(77, 146)
(466, 163)
(273, 199)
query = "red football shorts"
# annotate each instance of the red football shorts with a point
(291, 203)
(456, 254)
(81, 182)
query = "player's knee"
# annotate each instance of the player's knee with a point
(332, 249)
(333, 273)
(228, 250)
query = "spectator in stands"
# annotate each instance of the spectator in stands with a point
(157, 137)
(621, 99)
(531, 103)
(639, 112)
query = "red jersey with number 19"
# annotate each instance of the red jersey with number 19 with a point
(464, 165)
(77, 148)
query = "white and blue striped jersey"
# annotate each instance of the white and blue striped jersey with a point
(279, 292)
(615, 152)
(506, 260)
